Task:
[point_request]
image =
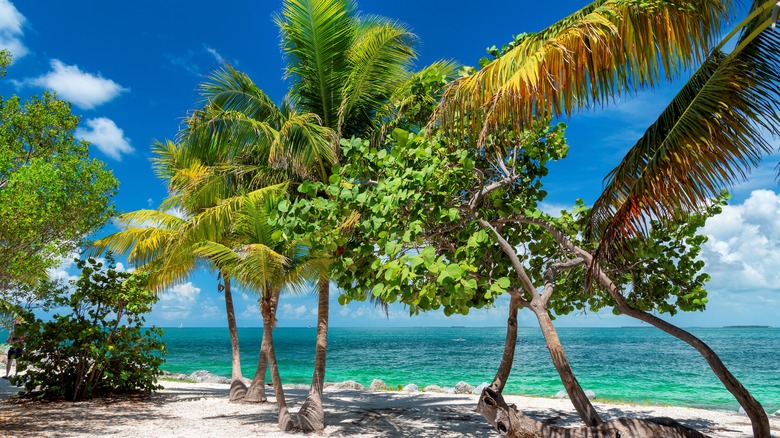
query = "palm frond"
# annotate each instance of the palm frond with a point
(379, 59)
(413, 101)
(708, 138)
(316, 36)
(604, 50)
(230, 89)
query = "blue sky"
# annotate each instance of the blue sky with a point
(132, 69)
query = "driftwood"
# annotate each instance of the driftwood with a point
(510, 422)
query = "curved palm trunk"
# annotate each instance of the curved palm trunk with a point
(269, 321)
(577, 396)
(311, 417)
(231, 317)
(256, 392)
(502, 374)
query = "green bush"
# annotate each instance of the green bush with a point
(99, 346)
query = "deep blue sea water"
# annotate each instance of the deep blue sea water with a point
(641, 365)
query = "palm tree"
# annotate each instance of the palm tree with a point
(711, 134)
(344, 68)
(151, 237)
(261, 262)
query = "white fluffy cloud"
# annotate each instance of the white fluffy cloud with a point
(289, 311)
(743, 251)
(11, 23)
(106, 136)
(177, 303)
(83, 89)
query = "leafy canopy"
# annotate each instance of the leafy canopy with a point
(98, 344)
(51, 193)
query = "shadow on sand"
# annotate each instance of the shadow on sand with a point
(348, 413)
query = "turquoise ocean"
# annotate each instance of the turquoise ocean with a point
(637, 365)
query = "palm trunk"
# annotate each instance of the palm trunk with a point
(231, 317)
(285, 419)
(311, 416)
(256, 391)
(577, 396)
(502, 374)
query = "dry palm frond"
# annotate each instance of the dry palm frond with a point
(708, 138)
(603, 50)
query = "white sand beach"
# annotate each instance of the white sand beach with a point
(203, 410)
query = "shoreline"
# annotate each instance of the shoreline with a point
(202, 410)
(205, 376)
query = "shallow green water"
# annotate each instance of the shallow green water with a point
(641, 365)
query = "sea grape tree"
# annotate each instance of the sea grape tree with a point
(95, 342)
(435, 227)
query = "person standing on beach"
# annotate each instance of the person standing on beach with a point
(14, 352)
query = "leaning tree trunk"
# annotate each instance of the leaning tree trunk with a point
(285, 419)
(578, 398)
(752, 407)
(508, 358)
(256, 392)
(311, 417)
(514, 424)
(502, 374)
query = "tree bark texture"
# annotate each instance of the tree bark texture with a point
(231, 318)
(581, 403)
(752, 407)
(285, 419)
(311, 416)
(514, 424)
(256, 392)
(507, 360)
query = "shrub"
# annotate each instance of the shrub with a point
(99, 346)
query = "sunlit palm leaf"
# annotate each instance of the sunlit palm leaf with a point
(379, 59)
(708, 138)
(604, 50)
(316, 36)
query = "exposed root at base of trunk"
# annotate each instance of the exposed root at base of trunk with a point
(311, 417)
(237, 390)
(510, 422)
(285, 420)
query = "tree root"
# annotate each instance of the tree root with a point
(237, 390)
(510, 422)
(311, 417)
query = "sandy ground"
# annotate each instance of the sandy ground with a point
(203, 410)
